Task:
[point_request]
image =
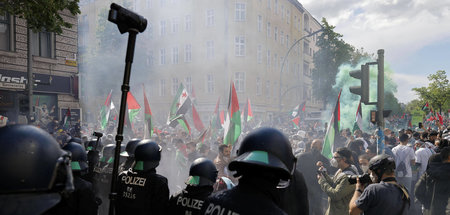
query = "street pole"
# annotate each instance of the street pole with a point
(284, 61)
(380, 93)
(30, 75)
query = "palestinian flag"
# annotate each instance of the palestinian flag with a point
(247, 115)
(222, 118)
(198, 124)
(148, 115)
(180, 105)
(67, 119)
(201, 138)
(215, 121)
(332, 131)
(233, 121)
(358, 119)
(303, 106)
(425, 106)
(296, 122)
(296, 111)
(104, 112)
(133, 109)
(441, 119)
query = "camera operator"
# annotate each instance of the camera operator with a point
(385, 195)
(338, 188)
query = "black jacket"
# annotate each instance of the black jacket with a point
(142, 192)
(433, 188)
(189, 201)
(294, 198)
(251, 196)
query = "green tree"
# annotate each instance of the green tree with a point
(333, 52)
(41, 14)
(413, 105)
(437, 93)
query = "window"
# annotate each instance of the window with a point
(239, 46)
(268, 89)
(259, 54)
(188, 53)
(175, 55)
(210, 49)
(282, 12)
(288, 16)
(43, 44)
(150, 58)
(6, 34)
(306, 20)
(275, 30)
(149, 30)
(163, 3)
(239, 82)
(162, 58)
(275, 61)
(305, 48)
(240, 12)
(282, 37)
(287, 40)
(210, 83)
(162, 25)
(268, 58)
(259, 23)
(275, 7)
(209, 17)
(258, 86)
(148, 4)
(306, 69)
(175, 25)
(174, 86)
(187, 23)
(268, 29)
(268, 4)
(188, 82)
(162, 87)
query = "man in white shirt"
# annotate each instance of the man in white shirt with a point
(404, 158)
(422, 155)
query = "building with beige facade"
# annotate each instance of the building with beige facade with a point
(54, 69)
(206, 44)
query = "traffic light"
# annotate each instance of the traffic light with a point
(362, 90)
(23, 105)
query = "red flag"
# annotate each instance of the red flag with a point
(441, 119)
(222, 117)
(304, 106)
(403, 116)
(296, 121)
(198, 124)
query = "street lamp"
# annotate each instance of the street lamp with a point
(284, 61)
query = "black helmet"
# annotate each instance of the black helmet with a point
(76, 140)
(129, 149)
(108, 152)
(147, 155)
(31, 162)
(79, 157)
(203, 172)
(267, 148)
(381, 163)
(92, 145)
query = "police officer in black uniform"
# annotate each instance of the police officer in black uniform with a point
(128, 154)
(35, 171)
(140, 190)
(202, 176)
(264, 161)
(82, 201)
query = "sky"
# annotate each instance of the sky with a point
(415, 34)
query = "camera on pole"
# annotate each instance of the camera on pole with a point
(126, 19)
(363, 89)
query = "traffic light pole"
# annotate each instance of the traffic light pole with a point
(380, 92)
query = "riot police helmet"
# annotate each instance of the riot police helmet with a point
(79, 157)
(147, 155)
(35, 170)
(130, 147)
(92, 145)
(203, 172)
(265, 148)
(76, 140)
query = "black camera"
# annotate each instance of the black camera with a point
(126, 19)
(97, 134)
(363, 179)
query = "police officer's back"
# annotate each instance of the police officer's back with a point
(82, 201)
(202, 176)
(35, 171)
(140, 190)
(264, 161)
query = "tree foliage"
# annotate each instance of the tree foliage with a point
(41, 14)
(333, 52)
(437, 93)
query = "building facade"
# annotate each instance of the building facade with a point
(207, 44)
(54, 69)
